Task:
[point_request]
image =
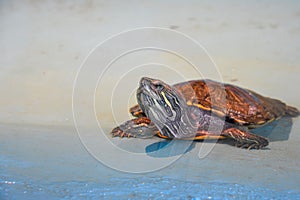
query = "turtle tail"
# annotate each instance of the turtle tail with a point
(292, 111)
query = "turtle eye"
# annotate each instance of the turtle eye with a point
(159, 86)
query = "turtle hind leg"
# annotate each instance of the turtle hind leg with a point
(292, 111)
(244, 139)
(138, 128)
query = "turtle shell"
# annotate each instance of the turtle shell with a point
(237, 105)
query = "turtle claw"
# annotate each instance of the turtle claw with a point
(249, 146)
(246, 146)
(246, 140)
(136, 128)
(118, 132)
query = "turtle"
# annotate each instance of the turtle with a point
(201, 109)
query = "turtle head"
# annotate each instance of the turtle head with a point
(166, 108)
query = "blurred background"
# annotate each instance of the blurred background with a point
(254, 44)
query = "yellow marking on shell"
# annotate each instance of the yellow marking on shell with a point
(200, 137)
(220, 113)
(166, 99)
(209, 137)
(262, 123)
(190, 103)
(241, 122)
(161, 135)
(204, 137)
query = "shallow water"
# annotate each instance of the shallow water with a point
(255, 45)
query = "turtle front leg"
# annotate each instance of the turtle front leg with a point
(244, 139)
(138, 128)
(136, 111)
